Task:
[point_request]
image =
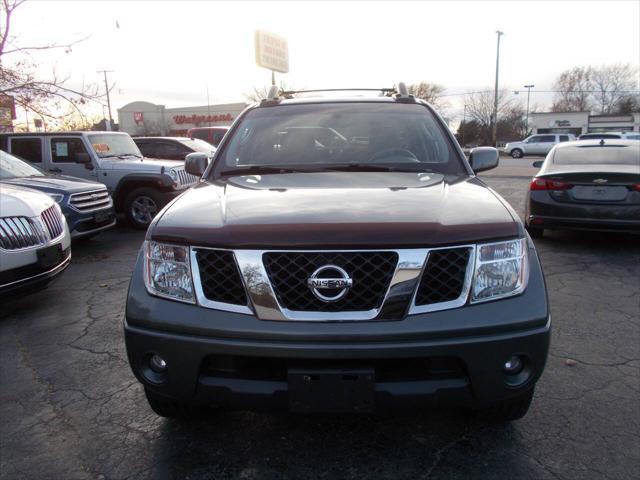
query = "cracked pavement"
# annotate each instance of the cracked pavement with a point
(70, 407)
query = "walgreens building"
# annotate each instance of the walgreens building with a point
(144, 118)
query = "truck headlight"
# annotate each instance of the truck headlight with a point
(501, 270)
(174, 175)
(168, 271)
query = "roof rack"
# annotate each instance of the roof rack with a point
(400, 93)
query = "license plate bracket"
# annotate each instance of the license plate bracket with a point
(49, 256)
(331, 390)
(101, 217)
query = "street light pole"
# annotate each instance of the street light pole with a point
(528, 87)
(495, 100)
(464, 121)
(106, 87)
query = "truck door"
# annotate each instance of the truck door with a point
(69, 156)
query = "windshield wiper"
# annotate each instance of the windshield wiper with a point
(122, 156)
(262, 169)
(367, 167)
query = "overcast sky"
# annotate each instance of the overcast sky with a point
(169, 52)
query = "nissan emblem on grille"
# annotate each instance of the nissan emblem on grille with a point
(340, 284)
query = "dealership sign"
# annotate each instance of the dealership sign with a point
(198, 119)
(138, 117)
(272, 51)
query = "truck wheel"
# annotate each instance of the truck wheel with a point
(516, 153)
(141, 205)
(508, 410)
(165, 407)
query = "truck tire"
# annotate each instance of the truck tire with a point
(141, 205)
(516, 153)
(508, 410)
(165, 407)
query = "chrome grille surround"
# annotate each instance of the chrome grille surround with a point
(21, 232)
(401, 293)
(90, 201)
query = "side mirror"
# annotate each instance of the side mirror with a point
(483, 158)
(538, 164)
(196, 163)
(82, 157)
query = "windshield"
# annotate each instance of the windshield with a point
(13, 167)
(114, 145)
(598, 155)
(312, 137)
(198, 145)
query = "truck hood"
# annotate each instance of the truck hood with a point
(336, 210)
(61, 183)
(22, 202)
(153, 165)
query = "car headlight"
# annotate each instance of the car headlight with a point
(57, 197)
(168, 271)
(501, 270)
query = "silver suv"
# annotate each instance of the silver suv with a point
(140, 186)
(537, 144)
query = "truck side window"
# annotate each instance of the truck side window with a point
(29, 149)
(64, 149)
(564, 138)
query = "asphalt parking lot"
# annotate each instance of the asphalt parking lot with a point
(70, 407)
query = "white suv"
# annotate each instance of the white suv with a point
(537, 144)
(34, 239)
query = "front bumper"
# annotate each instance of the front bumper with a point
(477, 338)
(90, 224)
(31, 277)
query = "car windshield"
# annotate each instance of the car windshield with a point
(598, 155)
(114, 145)
(198, 145)
(13, 167)
(353, 135)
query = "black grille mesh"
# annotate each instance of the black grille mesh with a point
(443, 277)
(371, 273)
(220, 277)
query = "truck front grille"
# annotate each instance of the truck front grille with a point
(444, 276)
(371, 273)
(185, 178)
(220, 277)
(20, 232)
(52, 219)
(89, 201)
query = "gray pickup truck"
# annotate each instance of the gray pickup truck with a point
(140, 186)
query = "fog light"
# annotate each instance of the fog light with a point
(513, 366)
(157, 364)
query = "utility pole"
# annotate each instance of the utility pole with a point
(528, 87)
(106, 87)
(495, 104)
(273, 77)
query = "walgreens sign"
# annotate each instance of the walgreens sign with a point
(198, 119)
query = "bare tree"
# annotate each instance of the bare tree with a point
(611, 84)
(479, 107)
(599, 89)
(573, 89)
(260, 93)
(20, 74)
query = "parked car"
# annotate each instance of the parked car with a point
(212, 135)
(87, 206)
(587, 185)
(172, 148)
(356, 263)
(539, 145)
(610, 135)
(139, 186)
(35, 245)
